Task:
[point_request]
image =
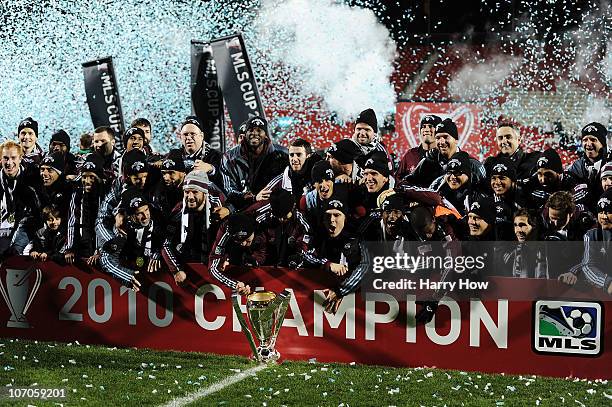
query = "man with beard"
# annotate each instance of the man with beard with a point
(343, 156)
(522, 259)
(339, 252)
(145, 125)
(436, 160)
(19, 203)
(296, 177)
(596, 261)
(60, 143)
(168, 191)
(55, 190)
(104, 144)
(135, 173)
(250, 166)
(547, 179)
(136, 245)
(27, 132)
(197, 153)
(411, 159)
(509, 139)
(366, 136)
(191, 229)
(376, 180)
(84, 205)
(286, 229)
(237, 243)
(562, 220)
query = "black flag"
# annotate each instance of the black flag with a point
(236, 79)
(103, 97)
(206, 97)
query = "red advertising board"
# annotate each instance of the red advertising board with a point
(489, 335)
(466, 117)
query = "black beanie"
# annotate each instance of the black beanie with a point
(322, 170)
(368, 117)
(460, 162)
(395, 202)
(134, 162)
(550, 160)
(378, 162)
(605, 202)
(257, 122)
(281, 202)
(28, 123)
(345, 151)
(94, 162)
(334, 203)
(596, 130)
(130, 132)
(57, 161)
(132, 199)
(485, 208)
(504, 166)
(61, 137)
(449, 127)
(240, 226)
(430, 119)
(192, 120)
(173, 161)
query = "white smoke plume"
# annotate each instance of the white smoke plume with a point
(341, 54)
(482, 79)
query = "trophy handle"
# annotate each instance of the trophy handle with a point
(34, 290)
(282, 302)
(6, 298)
(243, 323)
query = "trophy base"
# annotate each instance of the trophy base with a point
(266, 355)
(18, 323)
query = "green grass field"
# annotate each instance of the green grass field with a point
(95, 375)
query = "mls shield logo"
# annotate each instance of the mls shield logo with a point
(568, 327)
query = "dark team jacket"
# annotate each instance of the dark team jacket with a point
(433, 165)
(225, 249)
(81, 232)
(536, 195)
(242, 172)
(298, 183)
(597, 258)
(128, 248)
(20, 203)
(345, 248)
(50, 242)
(190, 235)
(210, 156)
(524, 163)
(284, 239)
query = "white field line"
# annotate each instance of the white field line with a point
(215, 387)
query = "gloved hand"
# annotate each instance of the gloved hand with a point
(250, 261)
(427, 311)
(295, 261)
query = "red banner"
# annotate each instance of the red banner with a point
(490, 335)
(466, 116)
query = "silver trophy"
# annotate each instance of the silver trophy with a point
(266, 312)
(18, 295)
